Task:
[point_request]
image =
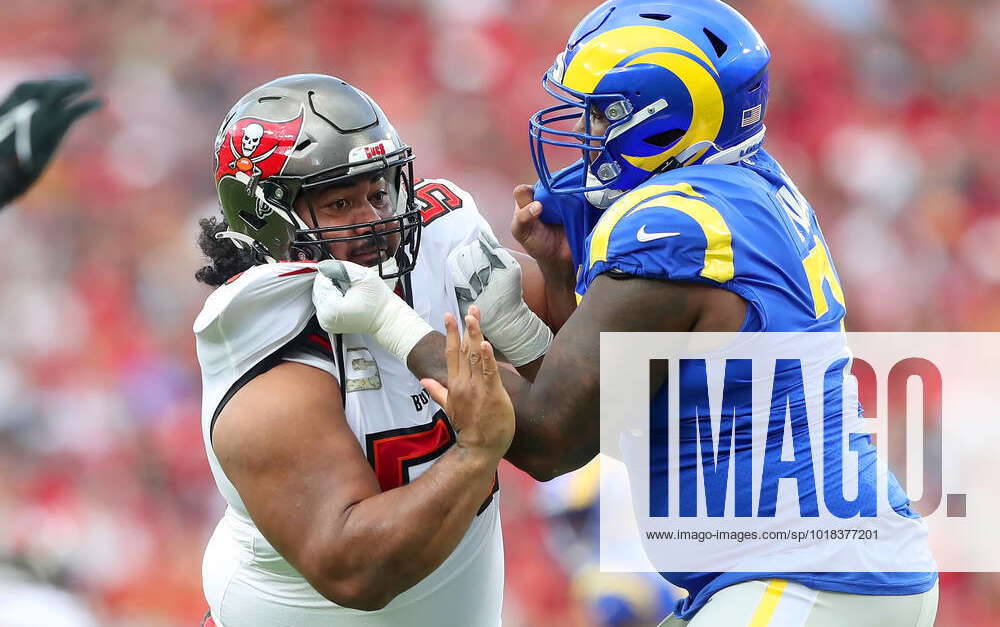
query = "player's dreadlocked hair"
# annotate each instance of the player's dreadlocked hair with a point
(226, 260)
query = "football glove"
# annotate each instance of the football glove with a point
(350, 298)
(33, 120)
(485, 274)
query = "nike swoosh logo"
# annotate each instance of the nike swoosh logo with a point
(643, 236)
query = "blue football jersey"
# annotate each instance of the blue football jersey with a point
(744, 228)
(747, 229)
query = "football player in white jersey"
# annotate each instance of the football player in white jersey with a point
(353, 499)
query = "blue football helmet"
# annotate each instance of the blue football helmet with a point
(680, 82)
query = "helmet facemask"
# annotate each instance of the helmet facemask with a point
(606, 177)
(555, 142)
(395, 235)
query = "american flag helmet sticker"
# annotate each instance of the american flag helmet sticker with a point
(751, 116)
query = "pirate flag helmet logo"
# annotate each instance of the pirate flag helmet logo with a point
(253, 147)
(305, 132)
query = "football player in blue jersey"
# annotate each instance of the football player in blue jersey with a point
(672, 218)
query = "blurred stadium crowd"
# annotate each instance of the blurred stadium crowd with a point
(886, 113)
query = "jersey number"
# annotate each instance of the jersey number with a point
(435, 200)
(394, 452)
(817, 264)
(819, 269)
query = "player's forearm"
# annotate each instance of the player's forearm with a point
(557, 424)
(560, 292)
(389, 542)
(558, 428)
(530, 370)
(427, 360)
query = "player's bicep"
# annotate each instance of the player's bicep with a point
(285, 444)
(616, 303)
(566, 393)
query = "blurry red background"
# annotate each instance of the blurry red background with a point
(885, 112)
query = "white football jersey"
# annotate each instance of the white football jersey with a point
(266, 315)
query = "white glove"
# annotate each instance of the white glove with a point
(354, 299)
(487, 275)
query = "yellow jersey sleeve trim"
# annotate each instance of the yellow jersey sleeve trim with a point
(718, 262)
(601, 235)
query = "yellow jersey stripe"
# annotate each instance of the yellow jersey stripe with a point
(601, 235)
(765, 610)
(718, 264)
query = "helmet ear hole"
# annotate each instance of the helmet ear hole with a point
(666, 138)
(252, 220)
(306, 252)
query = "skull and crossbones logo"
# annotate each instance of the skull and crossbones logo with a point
(245, 161)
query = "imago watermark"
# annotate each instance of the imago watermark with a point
(799, 452)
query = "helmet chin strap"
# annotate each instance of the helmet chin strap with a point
(238, 239)
(600, 198)
(389, 266)
(740, 151)
(241, 240)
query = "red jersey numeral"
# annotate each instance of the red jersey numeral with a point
(394, 452)
(435, 200)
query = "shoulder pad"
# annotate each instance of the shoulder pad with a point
(249, 318)
(451, 210)
(439, 197)
(664, 230)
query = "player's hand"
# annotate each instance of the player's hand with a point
(33, 120)
(351, 298)
(475, 400)
(545, 242)
(348, 297)
(486, 275)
